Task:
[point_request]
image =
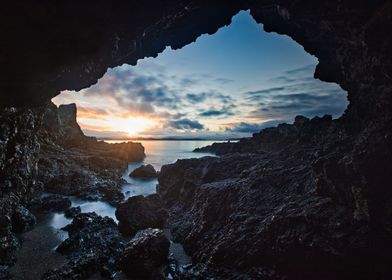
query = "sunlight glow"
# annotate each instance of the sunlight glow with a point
(130, 125)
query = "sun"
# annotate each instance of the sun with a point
(132, 125)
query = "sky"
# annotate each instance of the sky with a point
(229, 84)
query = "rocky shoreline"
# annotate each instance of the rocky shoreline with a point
(287, 203)
(58, 161)
(284, 201)
(69, 166)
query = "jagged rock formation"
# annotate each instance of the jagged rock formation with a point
(342, 169)
(297, 205)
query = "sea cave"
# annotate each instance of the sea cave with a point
(301, 191)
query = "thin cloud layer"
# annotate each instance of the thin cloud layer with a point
(186, 124)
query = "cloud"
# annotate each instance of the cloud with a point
(106, 134)
(176, 102)
(223, 80)
(199, 97)
(212, 113)
(298, 93)
(252, 127)
(226, 111)
(186, 124)
(263, 91)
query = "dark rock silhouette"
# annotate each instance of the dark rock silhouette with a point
(139, 213)
(144, 172)
(145, 253)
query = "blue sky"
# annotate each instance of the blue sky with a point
(229, 84)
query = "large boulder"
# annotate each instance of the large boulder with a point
(144, 172)
(140, 212)
(145, 254)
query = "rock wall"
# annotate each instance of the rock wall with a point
(19, 149)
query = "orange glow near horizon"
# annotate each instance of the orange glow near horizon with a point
(130, 125)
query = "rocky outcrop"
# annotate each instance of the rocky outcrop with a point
(276, 138)
(139, 213)
(144, 172)
(44, 149)
(296, 207)
(145, 254)
(93, 246)
(71, 163)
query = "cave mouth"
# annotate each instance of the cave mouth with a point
(226, 85)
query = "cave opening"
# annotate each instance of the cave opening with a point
(223, 86)
(308, 200)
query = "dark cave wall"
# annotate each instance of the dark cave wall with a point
(49, 47)
(52, 46)
(351, 40)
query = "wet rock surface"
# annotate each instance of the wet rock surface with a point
(72, 212)
(18, 157)
(295, 207)
(51, 202)
(139, 213)
(145, 254)
(94, 246)
(144, 172)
